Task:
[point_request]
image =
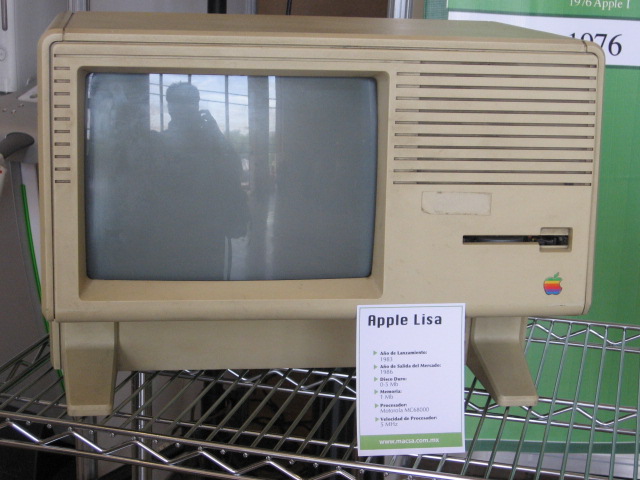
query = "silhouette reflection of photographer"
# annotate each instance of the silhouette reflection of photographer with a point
(206, 186)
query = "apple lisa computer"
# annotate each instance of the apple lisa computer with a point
(223, 191)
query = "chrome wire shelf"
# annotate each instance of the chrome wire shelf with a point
(299, 424)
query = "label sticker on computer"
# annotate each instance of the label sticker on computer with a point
(410, 368)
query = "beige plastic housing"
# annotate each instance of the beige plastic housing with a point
(484, 129)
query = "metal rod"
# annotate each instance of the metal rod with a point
(139, 404)
(596, 402)
(616, 418)
(5, 15)
(400, 9)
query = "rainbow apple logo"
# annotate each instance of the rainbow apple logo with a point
(552, 285)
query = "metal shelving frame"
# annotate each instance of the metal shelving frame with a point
(299, 424)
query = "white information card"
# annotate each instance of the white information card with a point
(410, 367)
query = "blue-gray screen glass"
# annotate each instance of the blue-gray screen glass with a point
(215, 177)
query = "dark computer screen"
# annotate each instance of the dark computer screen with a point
(217, 177)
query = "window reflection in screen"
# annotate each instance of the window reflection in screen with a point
(214, 177)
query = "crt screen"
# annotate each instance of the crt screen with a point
(215, 177)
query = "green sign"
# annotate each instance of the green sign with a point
(430, 441)
(565, 8)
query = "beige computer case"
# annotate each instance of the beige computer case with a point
(485, 129)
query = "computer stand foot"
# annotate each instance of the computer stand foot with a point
(496, 357)
(89, 367)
